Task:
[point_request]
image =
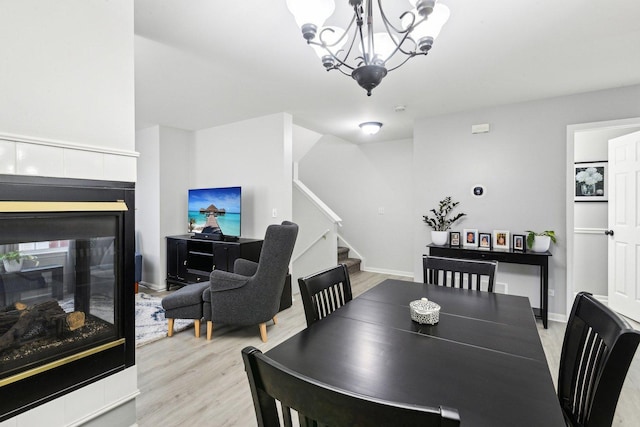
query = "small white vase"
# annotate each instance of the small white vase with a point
(541, 244)
(439, 237)
(12, 266)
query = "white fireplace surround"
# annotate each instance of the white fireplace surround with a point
(111, 400)
(23, 155)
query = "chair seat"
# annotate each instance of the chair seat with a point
(185, 303)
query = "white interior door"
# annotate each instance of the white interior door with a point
(624, 220)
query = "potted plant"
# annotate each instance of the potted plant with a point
(440, 222)
(13, 260)
(540, 242)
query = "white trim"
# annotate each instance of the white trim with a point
(589, 231)
(555, 317)
(326, 210)
(390, 272)
(105, 409)
(65, 144)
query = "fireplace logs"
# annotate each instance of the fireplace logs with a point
(19, 322)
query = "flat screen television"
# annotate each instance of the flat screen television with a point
(215, 211)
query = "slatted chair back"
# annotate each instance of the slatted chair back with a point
(458, 273)
(320, 404)
(325, 292)
(597, 350)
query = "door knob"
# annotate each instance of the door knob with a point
(608, 232)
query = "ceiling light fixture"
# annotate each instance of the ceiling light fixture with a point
(375, 53)
(370, 128)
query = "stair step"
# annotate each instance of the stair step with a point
(343, 253)
(353, 264)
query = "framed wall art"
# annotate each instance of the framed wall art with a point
(591, 182)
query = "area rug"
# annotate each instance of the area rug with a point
(151, 324)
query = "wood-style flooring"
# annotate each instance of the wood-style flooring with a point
(188, 381)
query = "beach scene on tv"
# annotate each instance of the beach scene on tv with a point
(215, 210)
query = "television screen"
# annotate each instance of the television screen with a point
(215, 210)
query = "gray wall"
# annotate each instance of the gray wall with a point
(522, 162)
(357, 182)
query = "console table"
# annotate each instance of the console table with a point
(541, 259)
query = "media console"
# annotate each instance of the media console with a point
(191, 260)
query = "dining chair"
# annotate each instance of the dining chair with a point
(597, 350)
(318, 403)
(324, 292)
(456, 272)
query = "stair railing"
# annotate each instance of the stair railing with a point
(312, 244)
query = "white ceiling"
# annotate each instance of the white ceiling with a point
(202, 63)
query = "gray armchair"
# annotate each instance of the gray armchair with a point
(251, 294)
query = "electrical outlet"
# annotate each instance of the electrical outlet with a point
(380, 211)
(552, 293)
(274, 213)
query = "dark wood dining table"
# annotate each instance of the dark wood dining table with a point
(484, 357)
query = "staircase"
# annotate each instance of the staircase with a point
(353, 264)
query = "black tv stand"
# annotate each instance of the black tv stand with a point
(191, 259)
(217, 237)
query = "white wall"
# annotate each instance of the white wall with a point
(67, 101)
(161, 196)
(67, 71)
(357, 182)
(522, 163)
(255, 154)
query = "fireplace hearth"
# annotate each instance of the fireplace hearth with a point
(67, 311)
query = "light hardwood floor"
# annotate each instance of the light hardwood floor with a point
(188, 381)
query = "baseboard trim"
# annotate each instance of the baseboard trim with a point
(390, 272)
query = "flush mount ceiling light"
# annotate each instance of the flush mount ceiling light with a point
(369, 55)
(370, 128)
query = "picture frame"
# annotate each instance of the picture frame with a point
(484, 240)
(500, 239)
(591, 181)
(519, 242)
(470, 236)
(454, 239)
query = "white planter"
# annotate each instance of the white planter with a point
(541, 244)
(12, 266)
(439, 237)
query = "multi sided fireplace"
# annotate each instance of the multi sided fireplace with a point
(66, 286)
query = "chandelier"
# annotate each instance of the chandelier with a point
(361, 52)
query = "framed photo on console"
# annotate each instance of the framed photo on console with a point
(518, 242)
(484, 240)
(454, 239)
(500, 239)
(470, 237)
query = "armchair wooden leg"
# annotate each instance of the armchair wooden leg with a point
(209, 330)
(196, 326)
(275, 320)
(170, 331)
(263, 332)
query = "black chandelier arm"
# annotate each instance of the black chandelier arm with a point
(387, 22)
(411, 55)
(345, 34)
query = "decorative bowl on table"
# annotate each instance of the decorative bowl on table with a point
(424, 311)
